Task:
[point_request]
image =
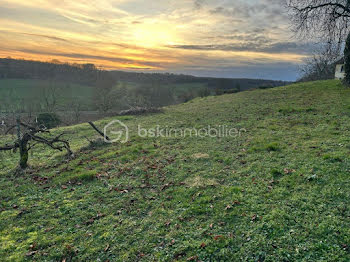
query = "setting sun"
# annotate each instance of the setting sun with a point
(176, 36)
(153, 35)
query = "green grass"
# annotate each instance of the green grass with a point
(180, 89)
(17, 92)
(280, 192)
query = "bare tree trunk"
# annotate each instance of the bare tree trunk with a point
(23, 147)
(23, 150)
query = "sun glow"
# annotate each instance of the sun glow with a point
(175, 36)
(152, 35)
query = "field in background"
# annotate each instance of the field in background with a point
(278, 193)
(29, 87)
(75, 103)
(19, 90)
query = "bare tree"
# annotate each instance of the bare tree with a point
(327, 20)
(77, 107)
(104, 97)
(320, 66)
(51, 95)
(28, 137)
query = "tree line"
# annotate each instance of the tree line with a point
(88, 74)
(85, 74)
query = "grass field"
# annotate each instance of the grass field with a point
(19, 91)
(280, 192)
(28, 90)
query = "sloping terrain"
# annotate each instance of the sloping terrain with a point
(278, 192)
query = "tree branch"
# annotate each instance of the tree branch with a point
(98, 131)
(329, 4)
(8, 130)
(56, 143)
(9, 147)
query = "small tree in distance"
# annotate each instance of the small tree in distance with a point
(104, 98)
(320, 66)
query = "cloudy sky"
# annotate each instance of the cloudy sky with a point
(223, 38)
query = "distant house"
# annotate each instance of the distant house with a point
(340, 69)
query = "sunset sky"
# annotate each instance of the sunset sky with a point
(222, 38)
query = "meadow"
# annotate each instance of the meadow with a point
(15, 93)
(278, 192)
(19, 91)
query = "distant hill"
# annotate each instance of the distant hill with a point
(87, 74)
(84, 74)
(32, 87)
(222, 83)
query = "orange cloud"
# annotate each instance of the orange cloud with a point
(132, 34)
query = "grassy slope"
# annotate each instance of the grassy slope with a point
(279, 193)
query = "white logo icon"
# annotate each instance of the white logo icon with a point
(116, 131)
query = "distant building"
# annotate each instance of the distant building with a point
(340, 69)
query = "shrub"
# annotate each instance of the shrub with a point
(49, 120)
(219, 91)
(204, 92)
